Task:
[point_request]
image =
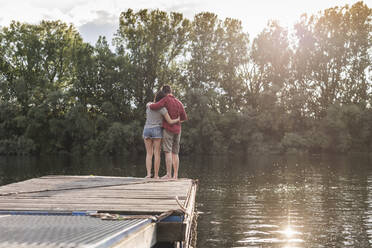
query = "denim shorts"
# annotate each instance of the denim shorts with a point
(153, 133)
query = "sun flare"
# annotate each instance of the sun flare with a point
(289, 232)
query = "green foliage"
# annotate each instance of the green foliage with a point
(152, 42)
(17, 146)
(332, 56)
(121, 139)
(317, 140)
(293, 143)
(309, 91)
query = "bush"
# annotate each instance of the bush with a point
(293, 142)
(17, 146)
(122, 139)
(317, 141)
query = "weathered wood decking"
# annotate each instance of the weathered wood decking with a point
(104, 194)
(133, 196)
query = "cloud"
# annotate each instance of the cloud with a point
(188, 8)
(64, 6)
(105, 24)
(26, 11)
(98, 17)
(91, 11)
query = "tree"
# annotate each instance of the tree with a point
(234, 54)
(332, 56)
(152, 42)
(37, 59)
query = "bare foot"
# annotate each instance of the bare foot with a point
(165, 177)
(156, 177)
(148, 176)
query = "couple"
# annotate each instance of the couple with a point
(163, 126)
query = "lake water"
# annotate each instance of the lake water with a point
(266, 201)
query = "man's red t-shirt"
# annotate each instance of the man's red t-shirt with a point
(175, 109)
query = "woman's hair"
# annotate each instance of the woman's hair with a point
(159, 95)
(167, 89)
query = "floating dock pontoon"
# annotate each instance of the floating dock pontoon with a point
(92, 211)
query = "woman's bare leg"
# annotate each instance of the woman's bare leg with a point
(149, 153)
(157, 143)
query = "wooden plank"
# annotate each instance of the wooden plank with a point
(118, 198)
(135, 209)
(88, 195)
(90, 198)
(103, 181)
(151, 187)
(111, 190)
(108, 201)
(103, 198)
(73, 182)
(69, 205)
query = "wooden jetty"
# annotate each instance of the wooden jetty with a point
(113, 211)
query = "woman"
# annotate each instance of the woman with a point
(153, 133)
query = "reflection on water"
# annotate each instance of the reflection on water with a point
(284, 202)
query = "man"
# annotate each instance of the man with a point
(171, 133)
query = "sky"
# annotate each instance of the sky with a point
(101, 17)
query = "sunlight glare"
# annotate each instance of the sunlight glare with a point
(288, 232)
(256, 14)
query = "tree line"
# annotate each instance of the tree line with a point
(304, 90)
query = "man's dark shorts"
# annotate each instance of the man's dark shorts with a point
(171, 141)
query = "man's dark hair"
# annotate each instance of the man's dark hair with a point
(166, 89)
(159, 95)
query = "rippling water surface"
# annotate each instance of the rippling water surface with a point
(285, 202)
